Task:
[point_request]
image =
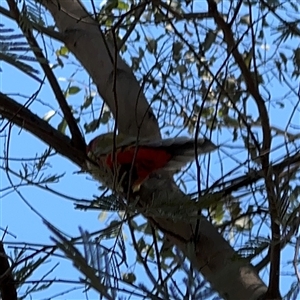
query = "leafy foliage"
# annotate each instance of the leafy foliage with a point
(201, 76)
(10, 49)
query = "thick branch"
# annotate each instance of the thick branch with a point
(280, 169)
(232, 277)
(7, 284)
(113, 77)
(24, 118)
(212, 256)
(252, 85)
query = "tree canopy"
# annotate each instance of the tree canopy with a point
(227, 225)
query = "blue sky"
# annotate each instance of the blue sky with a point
(22, 221)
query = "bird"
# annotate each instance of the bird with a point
(124, 163)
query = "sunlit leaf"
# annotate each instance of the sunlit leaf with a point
(102, 216)
(62, 51)
(244, 223)
(122, 5)
(49, 115)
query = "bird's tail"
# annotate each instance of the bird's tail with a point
(183, 151)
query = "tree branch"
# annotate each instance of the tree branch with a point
(7, 284)
(252, 86)
(253, 176)
(24, 118)
(180, 15)
(138, 11)
(80, 30)
(213, 256)
(231, 276)
(77, 138)
(39, 28)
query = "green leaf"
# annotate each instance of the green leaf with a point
(218, 212)
(122, 5)
(26, 68)
(102, 216)
(52, 178)
(134, 224)
(234, 209)
(176, 49)
(273, 3)
(148, 229)
(168, 253)
(111, 4)
(92, 126)
(62, 51)
(209, 40)
(297, 57)
(181, 69)
(248, 58)
(231, 121)
(152, 45)
(158, 17)
(280, 104)
(72, 90)
(142, 245)
(62, 126)
(105, 117)
(87, 102)
(283, 58)
(245, 19)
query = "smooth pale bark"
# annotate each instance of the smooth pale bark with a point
(231, 276)
(114, 79)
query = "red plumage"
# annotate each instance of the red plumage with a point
(134, 161)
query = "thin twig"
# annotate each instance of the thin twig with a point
(24, 118)
(77, 137)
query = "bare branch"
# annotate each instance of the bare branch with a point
(77, 138)
(24, 118)
(295, 260)
(183, 16)
(252, 85)
(138, 11)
